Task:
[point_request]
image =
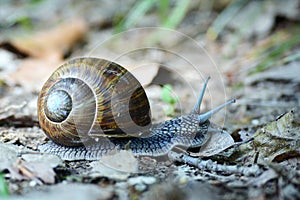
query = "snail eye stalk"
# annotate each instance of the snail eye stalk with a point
(203, 117)
(196, 108)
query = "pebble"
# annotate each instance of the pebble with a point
(255, 122)
(140, 187)
(141, 179)
(140, 183)
(32, 183)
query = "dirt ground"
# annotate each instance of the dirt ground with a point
(249, 49)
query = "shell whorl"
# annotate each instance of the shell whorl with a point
(105, 100)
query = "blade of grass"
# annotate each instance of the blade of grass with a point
(291, 58)
(275, 55)
(177, 14)
(224, 17)
(163, 7)
(3, 187)
(135, 14)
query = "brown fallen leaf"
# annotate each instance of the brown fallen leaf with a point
(117, 165)
(22, 170)
(39, 170)
(33, 72)
(52, 43)
(277, 141)
(8, 155)
(219, 140)
(18, 170)
(146, 73)
(46, 50)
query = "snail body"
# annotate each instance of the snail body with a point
(91, 106)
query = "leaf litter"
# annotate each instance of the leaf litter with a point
(37, 170)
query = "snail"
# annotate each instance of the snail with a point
(90, 106)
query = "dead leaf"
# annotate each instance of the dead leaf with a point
(35, 170)
(53, 43)
(146, 73)
(46, 50)
(285, 126)
(275, 142)
(9, 160)
(218, 141)
(8, 155)
(118, 165)
(34, 72)
(278, 138)
(23, 170)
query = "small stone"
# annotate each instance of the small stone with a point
(183, 180)
(140, 187)
(32, 183)
(255, 122)
(141, 180)
(121, 190)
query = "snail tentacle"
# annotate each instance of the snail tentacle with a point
(207, 115)
(196, 108)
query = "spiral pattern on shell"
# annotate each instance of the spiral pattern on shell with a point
(90, 97)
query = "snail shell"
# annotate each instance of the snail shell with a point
(90, 106)
(90, 97)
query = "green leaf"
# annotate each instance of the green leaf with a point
(167, 94)
(3, 187)
(25, 21)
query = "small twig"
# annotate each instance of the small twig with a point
(214, 166)
(221, 178)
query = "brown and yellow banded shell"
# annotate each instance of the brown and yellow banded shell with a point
(89, 97)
